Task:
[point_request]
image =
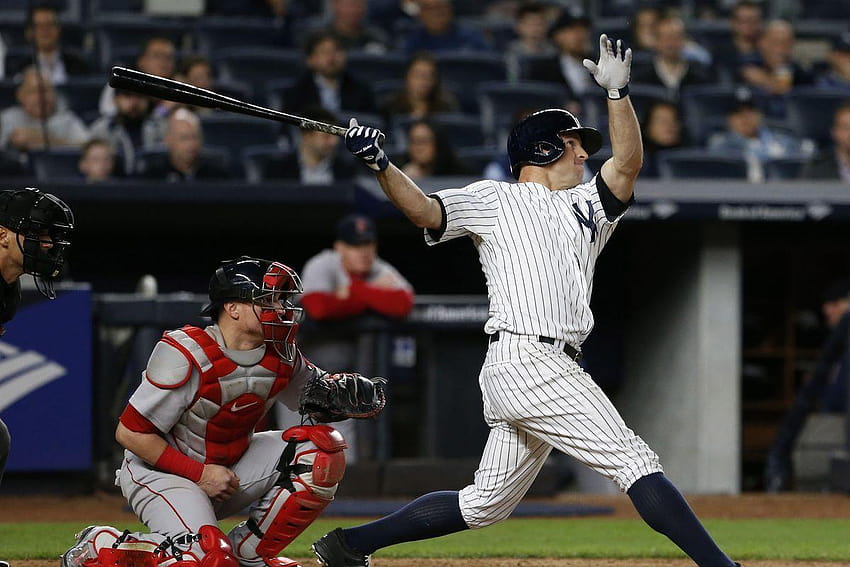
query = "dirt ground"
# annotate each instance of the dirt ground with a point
(109, 508)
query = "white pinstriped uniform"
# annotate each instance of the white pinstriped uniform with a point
(538, 249)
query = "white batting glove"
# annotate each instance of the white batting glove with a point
(612, 70)
(366, 143)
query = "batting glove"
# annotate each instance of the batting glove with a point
(366, 143)
(612, 70)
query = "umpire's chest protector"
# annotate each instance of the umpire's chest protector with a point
(231, 399)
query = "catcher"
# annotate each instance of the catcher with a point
(192, 456)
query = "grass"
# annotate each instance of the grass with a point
(786, 539)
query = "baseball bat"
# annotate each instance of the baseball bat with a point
(169, 89)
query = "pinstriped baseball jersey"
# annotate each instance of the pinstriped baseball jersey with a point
(538, 249)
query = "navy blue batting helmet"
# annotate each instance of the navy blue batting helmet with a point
(536, 139)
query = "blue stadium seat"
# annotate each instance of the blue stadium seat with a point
(824, 10)
(256, 158)
(56, 164)
(642, 95)
(215, 34)
(101, 7)
(373, 67)
(82, 94)
(785, 168)
(462, 130)
(810, 112)
(463, 72)
(705, 107)
(594, 162)
(700, 164)
(499, 101)
(234, 132)
(274, 91)
(256, 66)
(150, 156)
(7, 93)
(475, 159)
(122, 36)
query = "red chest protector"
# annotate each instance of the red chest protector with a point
(230, 401)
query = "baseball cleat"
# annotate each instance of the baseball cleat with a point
(332, 551)
(4, 564)
(281, 562)
(75, 556)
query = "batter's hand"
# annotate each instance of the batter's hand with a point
(612, 70)
(218, 482)
(367, 144)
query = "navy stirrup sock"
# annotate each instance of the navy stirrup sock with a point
(432, 515)
(662, 506)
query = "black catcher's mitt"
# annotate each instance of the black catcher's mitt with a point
(334, 397)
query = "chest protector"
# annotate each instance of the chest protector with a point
(230, 401)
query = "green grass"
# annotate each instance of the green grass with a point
(789, 539)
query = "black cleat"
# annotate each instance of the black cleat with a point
(332, 551)
(4, 564)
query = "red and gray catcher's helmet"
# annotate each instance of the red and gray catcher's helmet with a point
(536, 139)
(272, 287)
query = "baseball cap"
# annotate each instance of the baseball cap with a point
(841, 42)
(356, 229)
(567, 19)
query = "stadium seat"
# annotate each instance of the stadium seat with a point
(785, 168)
(462, 72)
(462, 130)
(274, 91)
(56, 164)
(101, 7)
(7, 93)
(700, 164)
(705, 107)
(499, 101)
(234, 132)
(372, 67)
(216, 34)
(475, 159)
(82, 95)
(810, 112)
(594, 162)
(256, 65)
(120, 37)
(150, 156)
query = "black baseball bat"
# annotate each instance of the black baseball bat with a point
(169, 89)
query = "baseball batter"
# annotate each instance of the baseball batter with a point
(538, 241)
(192, 456)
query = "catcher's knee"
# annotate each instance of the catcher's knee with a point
(313, 458)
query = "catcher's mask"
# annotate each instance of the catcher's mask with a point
(536, 139)
(271, 287)
(43, 224)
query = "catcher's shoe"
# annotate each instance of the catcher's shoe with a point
(75, 556)
(332, 551)
(281, 562)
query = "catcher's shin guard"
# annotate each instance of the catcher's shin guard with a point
(216, 549)
(310, 468)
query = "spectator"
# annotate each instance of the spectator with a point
(196, 70)
(43, 32)
(429, 153)
(131, 128)
(327, 81)
(746, 22)
(316, 160)
(348, 24)
(184, 160)
(747, 135)
(571, 36)
(669, 66)
(838, 76)
(827, 386)
(530, 27)
(661, 129)
(98, 161)
(423, 93)
(341, 284)
(835, 162)
(643, 28)
(156, 58)
(773, 71)
(23, 127)
(437, 31)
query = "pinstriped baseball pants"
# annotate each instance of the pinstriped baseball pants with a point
(535, 399)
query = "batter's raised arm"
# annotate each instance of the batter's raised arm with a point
(612, 74)
(367, 144)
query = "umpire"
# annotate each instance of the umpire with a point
(35, 230)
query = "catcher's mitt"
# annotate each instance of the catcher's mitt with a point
(334, 397)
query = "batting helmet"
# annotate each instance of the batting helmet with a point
(536, 139)
(270, 286)
(43, 223)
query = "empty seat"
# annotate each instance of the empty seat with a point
(56, 164)
(82, 95)
(100, 7)
(128, 36)
(700, 164)
(810, 111)
(463, 72)
(373, 67)
(594, 162)
(255, 160)
(785, 168)
(234, 132)
(642, 95)
(275, 90)
(461, 130)
(216, 34)
(257, 66)
(500, 101)
(476, 159)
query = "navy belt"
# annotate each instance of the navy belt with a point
(573, 353)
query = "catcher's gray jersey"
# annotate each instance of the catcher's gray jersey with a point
(538, 249)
